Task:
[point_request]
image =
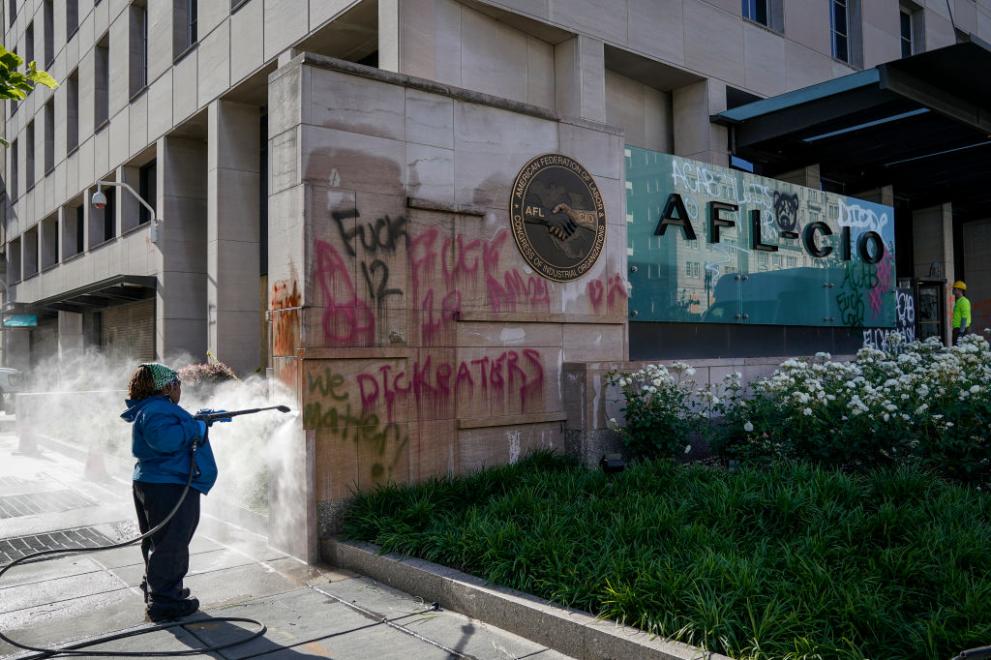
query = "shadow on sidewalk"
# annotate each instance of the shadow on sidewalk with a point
(208, 631)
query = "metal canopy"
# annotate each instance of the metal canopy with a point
(106, 293)
(921, 124)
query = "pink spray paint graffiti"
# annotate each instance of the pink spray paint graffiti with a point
(519, 373)
(883, 284)
(610, 292)
(346, 322)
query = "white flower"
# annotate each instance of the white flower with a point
(748, 427)
(690, 371)
(807, 412)
(975, 389)
(688, 448)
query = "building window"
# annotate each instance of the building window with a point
(71, 18)
(14, 262)
(184, 26)
(29, 43)
(14, 170)
(138, 69)
(103, 222)
(906, 32)
(49, 136)
(148, 189)
(13, 12)
(756, 11)
(79, 235)
(839, 25)
(30, 257)
(29, 163)
(49, 27)
(110, 215)
(72, 112)
(101, 108)
(72, 231)
(191, 15)
(49, 242)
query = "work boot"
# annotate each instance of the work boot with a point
(183, 593)
(175, 610)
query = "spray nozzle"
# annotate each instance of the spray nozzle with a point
(227, 414)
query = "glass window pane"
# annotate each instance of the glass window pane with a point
(841, 51)
(761, 12)
(906, 25)
(839, 18)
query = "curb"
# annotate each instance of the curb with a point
(571, 632)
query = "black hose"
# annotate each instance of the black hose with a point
(73, 649)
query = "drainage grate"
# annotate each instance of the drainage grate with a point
(53, 501)
(80, 537)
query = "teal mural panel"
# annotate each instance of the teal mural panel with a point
(701, 280)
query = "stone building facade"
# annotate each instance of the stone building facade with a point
(332, 180)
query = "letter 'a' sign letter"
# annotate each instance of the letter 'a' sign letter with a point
(674, 204)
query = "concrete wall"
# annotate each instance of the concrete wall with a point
(644, 113)
(419, 342)
(591, 400)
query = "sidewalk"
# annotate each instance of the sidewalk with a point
(309, 611)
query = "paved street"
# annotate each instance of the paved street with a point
(45, 501)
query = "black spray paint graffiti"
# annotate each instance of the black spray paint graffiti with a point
(329, 410)
(786, 211)
(379, 238)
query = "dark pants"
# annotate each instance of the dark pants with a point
(166, 553)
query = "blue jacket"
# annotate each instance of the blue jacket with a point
(161, 440)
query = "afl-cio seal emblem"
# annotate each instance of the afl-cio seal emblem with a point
(557, 215)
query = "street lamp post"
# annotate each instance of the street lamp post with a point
(100, 201)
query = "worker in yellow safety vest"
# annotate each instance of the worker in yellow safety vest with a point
(961, 311)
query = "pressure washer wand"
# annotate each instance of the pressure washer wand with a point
(227, 414)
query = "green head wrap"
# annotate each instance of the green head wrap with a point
(162, 375)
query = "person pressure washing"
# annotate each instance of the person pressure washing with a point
(162, 440)
(961, 311)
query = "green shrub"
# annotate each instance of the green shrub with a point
(659, 416)
(923, 403)
(918, 403)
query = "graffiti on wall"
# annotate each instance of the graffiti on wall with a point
(446, 273)
(517, 373)
(330, 408)
(879, 338)
(717, 245)
(285, 317)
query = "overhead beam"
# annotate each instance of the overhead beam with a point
(914, 88)
(807, 117)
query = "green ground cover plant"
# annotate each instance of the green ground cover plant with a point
(783, 560)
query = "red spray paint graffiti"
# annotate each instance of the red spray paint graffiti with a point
(612, 291)
(883, 284)
(446, 273)
(521, 373)
(349, 321)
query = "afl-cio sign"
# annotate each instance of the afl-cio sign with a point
(558, 219)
